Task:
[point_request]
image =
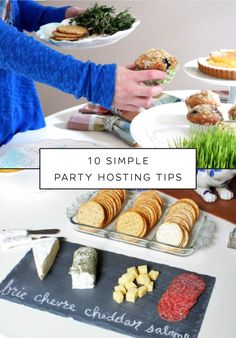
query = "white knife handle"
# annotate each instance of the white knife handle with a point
(12, 233)
(12, 242)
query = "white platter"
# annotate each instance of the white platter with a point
(159, 126)
(45, 33)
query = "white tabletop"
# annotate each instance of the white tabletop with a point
(23, 205)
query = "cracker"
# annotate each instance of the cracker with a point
(152, 212)
(130, 223)
(193, 204)
(154, 194)
(143, 214)
(145, 229)
(63, 35)
(76, 30)
(91, 213)
(123, 193)
(153, 205)
(108, 209)
(115, 199)
(179, 221)
(170, 233)
(185, 239)
(184, 205)
(56, 38)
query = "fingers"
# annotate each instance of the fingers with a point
(145, 75)
(144, 102)
(147, 91)
(130, 92)
(134, 103)
(131, 67)
(73, 12)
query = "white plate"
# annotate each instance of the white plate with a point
(191, 68)
(159, 126)
(27, 156)
(45, 32)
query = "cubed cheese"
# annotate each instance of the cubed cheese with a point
(130, 285)
(142, 290)
(143, 279)
(126, 278)
(132, 295)
(150, 286)
(153, 275)
(133, 270)
(118, 297)
(120, 288)
(142, 269)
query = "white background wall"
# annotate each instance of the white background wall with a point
(187, 29)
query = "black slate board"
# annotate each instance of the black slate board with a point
(95, 306)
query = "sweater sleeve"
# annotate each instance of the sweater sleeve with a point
(34, 15)
(28, 57)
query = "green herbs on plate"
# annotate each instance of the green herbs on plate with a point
(216, 147)
(103, 20)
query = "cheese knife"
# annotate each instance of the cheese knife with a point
(6, 233)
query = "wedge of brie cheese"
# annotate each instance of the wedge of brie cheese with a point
(83, 270)
(44, 251)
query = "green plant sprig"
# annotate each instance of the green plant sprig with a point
(102, 20)
(216, 147)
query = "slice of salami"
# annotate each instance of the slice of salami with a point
(190, 280)
(181, 295)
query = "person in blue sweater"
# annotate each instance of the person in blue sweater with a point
(24, 60)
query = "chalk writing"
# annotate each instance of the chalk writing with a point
(11, 290)
(166, 331)
(45, 298)
(95, 313)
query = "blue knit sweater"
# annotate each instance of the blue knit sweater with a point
(23, 59)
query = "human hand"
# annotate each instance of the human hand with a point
(73, 11)
(130, 92)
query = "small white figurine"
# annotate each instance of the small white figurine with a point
(216, 178)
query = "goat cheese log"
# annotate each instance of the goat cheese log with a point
(83, 270)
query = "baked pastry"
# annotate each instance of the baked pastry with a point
(157, 59)
(204, 97)
(205, 114)
(232, 113)
(69, 33)
(219, 64)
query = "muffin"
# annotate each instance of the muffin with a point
(158, 60)
(232, 113)
(206, 97)
(205, 115)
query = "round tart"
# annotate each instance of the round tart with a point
(220, 64)
(205, 114)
